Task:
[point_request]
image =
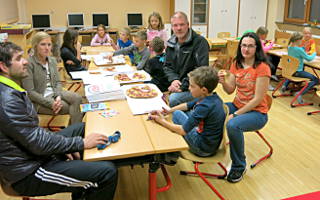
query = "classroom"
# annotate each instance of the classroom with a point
(160, 99)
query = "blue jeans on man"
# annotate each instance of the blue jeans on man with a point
(250, 121)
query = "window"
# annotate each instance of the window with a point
(302, 11)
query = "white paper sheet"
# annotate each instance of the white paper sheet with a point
(143, 106)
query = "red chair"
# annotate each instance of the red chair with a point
(289, 67)
(317, 111)
(269, 100)
(221, 154)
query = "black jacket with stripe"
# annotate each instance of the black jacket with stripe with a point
(25, 145)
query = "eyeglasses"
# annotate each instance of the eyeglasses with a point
(250, 46)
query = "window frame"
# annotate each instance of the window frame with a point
(307, 12)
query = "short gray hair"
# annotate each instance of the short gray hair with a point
(180, 14)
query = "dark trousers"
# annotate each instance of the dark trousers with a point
(86, 180)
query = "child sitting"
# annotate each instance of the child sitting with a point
(155, 65)
(298, 52)
(124, 40)
(202, 127)
(102, 38)
(140, 51)
(307, 42)
(262, 33)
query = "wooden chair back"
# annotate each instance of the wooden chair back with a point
(223, 34)
(282, 38)
(284, 42)
(232, 47)
(317, 41)
(289, 66)
(281, 34)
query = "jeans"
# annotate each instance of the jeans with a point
(249, 121)
(179, 97)
(192, 137)
(303, 74)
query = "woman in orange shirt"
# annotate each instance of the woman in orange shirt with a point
(249, 76)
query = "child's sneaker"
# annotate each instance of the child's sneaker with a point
(283, 89)
(271, 88)
(235, 175)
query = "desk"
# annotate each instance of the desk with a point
(96, 49)
(139, 137)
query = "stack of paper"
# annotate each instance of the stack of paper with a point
(104, 90)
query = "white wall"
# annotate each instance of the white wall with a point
(8, 11)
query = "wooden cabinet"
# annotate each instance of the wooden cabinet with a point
(223, 17)
(253, 14)
(235, 16)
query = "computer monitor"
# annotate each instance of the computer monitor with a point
(41, 21)
(75, 20)
(100, 18)
(134, 19)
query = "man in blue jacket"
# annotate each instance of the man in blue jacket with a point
(32, 159)
(186, 50)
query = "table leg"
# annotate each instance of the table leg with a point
(153, 167)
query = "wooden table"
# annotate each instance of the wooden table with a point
(139, 137)
(96, 49)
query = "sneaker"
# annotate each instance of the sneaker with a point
(235, 175)
(275, 78)
(299, 99)
(271, 88)
(283, 89)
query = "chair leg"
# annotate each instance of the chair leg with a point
(277, 88)
(266, 156)
(296, 97)
(196, 167)
(219, 176)
(313, 112)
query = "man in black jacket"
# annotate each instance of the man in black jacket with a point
(186, 50)
(32, 159)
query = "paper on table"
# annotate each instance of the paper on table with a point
(143, 106)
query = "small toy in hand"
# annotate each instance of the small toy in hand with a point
(111, 139)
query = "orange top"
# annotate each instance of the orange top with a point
(246, 85)
(309, 45)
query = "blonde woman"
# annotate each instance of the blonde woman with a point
(43, 82)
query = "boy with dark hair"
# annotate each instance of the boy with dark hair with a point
(155, 65)
(202, 127)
